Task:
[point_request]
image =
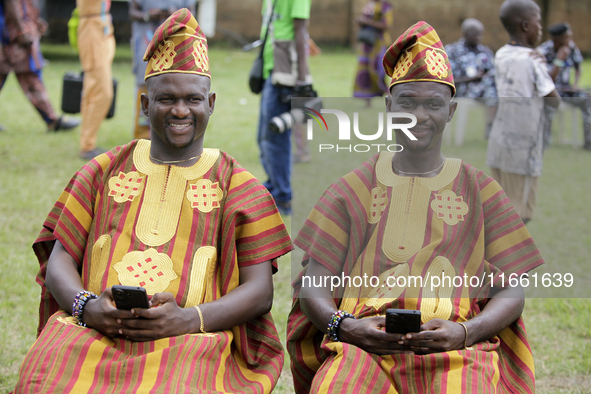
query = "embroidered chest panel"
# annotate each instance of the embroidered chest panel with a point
(163, 189)
(408, 210)
(154, 195)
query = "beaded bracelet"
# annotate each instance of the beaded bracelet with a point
(335, 321)
(79, 304)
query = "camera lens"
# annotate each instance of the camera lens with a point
(279, 124)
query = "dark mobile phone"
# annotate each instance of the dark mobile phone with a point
(403, 321)
(128, 297)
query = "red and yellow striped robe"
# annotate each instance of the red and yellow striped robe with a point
(196, 226)
(375, 222)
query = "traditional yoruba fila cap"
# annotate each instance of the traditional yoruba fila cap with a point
(178, 46)
(418, 55)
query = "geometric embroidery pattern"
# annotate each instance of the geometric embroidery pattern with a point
(125, 187)
(449, 207)
(200, 55)
(148, 269)
(390, 287)
(202, 273)
(379, 200)
(436, 64)
(402, 65)
(205, 195)
(164, 56)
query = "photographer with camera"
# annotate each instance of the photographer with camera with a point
(296, 117)
(286, 76)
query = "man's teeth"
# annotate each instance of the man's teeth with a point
(178, 126)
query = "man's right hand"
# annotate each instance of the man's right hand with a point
(563, 52)
(369, 334)
(102, 314)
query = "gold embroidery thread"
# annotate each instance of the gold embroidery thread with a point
(124, 187)
(205, 195)
(449, 207)
(164, 56)
(385, 292)
(200, 55)
(436, 64)
(164, 193)
(201, 273)
(379, 201)
(405, 231)
(99, 262)
(403, 65)
(69, 321)
(148, 269)
(404, 237)
(436, 303)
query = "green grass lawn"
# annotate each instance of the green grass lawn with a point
(35, 166)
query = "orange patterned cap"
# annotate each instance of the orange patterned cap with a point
(418, 55)
(178, 46)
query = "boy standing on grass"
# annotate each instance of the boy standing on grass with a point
(516, 141)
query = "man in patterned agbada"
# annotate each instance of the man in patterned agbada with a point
(186, 223)
(413, 214)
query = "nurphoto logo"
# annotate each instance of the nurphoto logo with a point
(393, 121)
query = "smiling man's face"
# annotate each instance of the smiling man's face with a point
(179, 106)
(430, 103)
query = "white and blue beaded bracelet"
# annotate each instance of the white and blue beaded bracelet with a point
(79, 303)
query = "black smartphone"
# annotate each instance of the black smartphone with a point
(403, 321)
(128, 297)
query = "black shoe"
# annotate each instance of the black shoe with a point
(284, 207)
(587, 146)
(63, 123)
(91, 154)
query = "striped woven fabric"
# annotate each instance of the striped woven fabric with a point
(377, 223)
(213, 218)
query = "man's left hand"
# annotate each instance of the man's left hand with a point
(436, 335)
(164, 319)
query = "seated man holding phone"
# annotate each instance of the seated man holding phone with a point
(413, 214)
(186, 223)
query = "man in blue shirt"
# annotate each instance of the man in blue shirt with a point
(472, 65)
(562, 55)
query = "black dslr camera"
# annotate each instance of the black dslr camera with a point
(283, 122)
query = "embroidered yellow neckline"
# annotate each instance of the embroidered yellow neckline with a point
(387, 177)
(164, 193)
(141, 159)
